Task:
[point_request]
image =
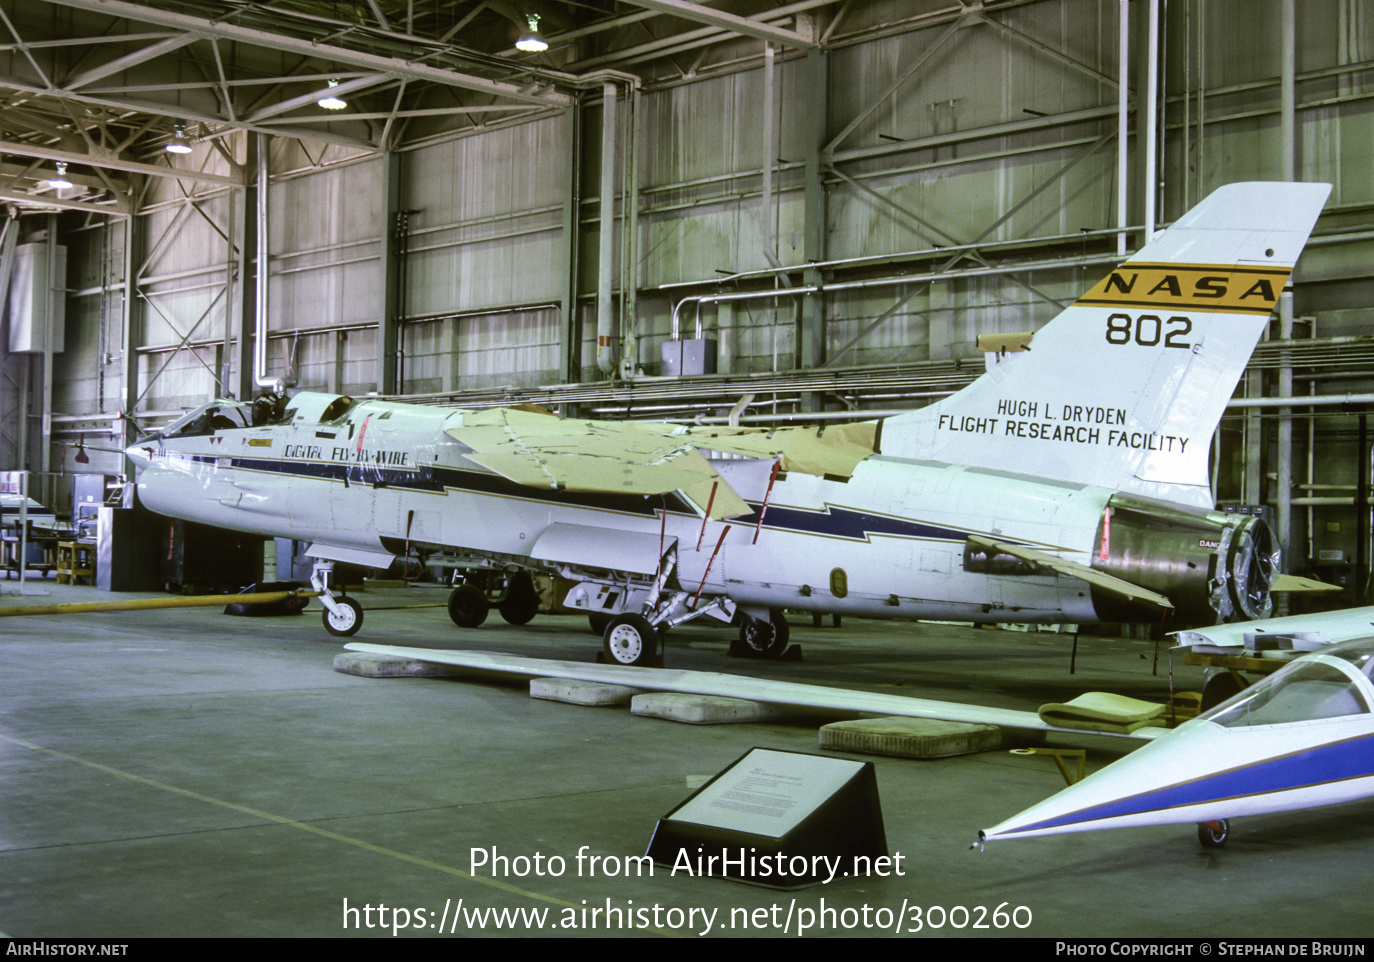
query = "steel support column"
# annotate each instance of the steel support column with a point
(243, 245)
(131, 324)
(605, 268)
(1283, 493)
(54, 287)
(570, 325)
(390, 309)
(1149, 120)
(1123, 108)
(811, 322)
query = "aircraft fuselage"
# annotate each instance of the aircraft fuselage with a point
(888, 542)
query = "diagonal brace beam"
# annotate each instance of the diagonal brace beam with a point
(719, 18)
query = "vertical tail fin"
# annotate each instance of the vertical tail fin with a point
(1125, 388)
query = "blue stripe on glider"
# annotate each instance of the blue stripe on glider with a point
(1338, 761)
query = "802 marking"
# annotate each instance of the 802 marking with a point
(1148, 330)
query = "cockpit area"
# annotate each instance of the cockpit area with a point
(1331, 683)
(226, 414)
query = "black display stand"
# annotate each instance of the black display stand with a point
(781, 819)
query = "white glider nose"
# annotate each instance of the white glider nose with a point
(1145, 788)
(1301, 738)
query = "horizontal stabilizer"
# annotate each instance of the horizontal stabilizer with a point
(1063, 566)
(1284, 582)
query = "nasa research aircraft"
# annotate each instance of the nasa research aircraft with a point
(1067, 484)
(1301, 738)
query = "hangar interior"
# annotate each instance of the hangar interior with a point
(785, 186)
(798, 212)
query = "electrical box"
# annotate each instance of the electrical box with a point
(694, 356)
(37, 304)
(200, 559)
(89, 492)
(126, 548)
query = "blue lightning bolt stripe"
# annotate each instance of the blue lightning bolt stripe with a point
(836, 521)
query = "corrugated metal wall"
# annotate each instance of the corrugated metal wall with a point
(933, 136)
(936, 161)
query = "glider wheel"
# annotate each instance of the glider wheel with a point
(1213, 834)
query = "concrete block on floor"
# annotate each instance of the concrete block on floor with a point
(702, 709)
(369, 665)
(575, 692)
(910, 737)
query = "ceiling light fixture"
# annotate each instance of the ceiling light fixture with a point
(330, 102)
(178, 144)
(60, 181)
(530, 40)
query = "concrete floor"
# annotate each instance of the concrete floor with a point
(185, 773)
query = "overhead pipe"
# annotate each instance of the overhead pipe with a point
(931, 252)
(879, 282)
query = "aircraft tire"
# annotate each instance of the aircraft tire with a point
(630, 640)
(764, 639)
(1213, 834)
(1216, 689)
(521, 603)
(467, 606)
(347, 622)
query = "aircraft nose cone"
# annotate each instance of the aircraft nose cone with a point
(1144, 788)
(141, 453)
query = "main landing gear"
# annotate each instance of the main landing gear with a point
(636, 639)
(630, 639)
(762, 639)
(468, 604)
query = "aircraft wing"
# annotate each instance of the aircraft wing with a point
(1063, 566)
(737, 686)
(637, 457)
(833, 451)
(1327, 627)
(628, 457)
